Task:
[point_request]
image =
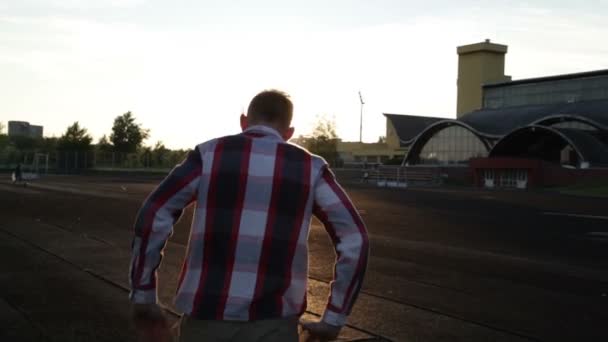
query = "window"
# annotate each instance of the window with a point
(453, 145)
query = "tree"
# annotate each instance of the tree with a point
(324, 140)
(3, 138)
(49, 144)
(301, 140)
(104, 145)
(159, 154)
(127, 135)
(24, 143)
(3, 142)
(75, 138)
(74, 146)
(144, 156)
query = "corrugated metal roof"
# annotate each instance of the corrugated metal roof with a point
(409, 126)
(586, 74)
(501, 121)
(593, 150)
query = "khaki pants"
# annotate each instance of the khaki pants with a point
(278, 330)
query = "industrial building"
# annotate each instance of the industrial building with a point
(24, 129)
(532, 132)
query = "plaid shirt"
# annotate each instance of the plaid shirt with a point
(247, 257)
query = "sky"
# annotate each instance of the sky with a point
(188, 68)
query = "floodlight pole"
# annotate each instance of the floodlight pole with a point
(361, 118)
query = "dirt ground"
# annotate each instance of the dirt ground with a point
(524, 265)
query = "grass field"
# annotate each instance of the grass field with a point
(597, 190)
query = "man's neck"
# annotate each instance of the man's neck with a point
(266, 129)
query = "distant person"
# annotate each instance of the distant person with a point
(17, 174)
(245, 272)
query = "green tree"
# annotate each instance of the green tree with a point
(3, 138)
(324, 140)
(176, 156)
(75, 138)
(127, 135)
(25, 143)
(49, 144)
(144, 156)
(159, 154)
(104, 145)
(3, 142)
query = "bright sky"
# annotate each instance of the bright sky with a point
(187, 68)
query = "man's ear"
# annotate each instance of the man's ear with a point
(288, 133)
(244, 123)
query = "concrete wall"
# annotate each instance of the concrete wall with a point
(392, 139)
(557, 176)
(540, 173)
(478, 64)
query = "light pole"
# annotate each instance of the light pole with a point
(361, 118)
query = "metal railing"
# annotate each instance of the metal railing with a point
(399, 176)
(80, 161)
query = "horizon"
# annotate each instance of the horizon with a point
(187, 72)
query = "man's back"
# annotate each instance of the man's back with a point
(247, 257)
(255, 204)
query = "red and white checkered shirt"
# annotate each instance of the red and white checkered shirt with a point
(247, 257)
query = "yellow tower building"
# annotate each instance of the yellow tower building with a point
(478, 64)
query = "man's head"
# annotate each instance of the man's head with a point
(272, 108)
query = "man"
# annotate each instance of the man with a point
(17, 174)
(245, 272)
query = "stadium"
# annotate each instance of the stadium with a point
(544, 131)
(447, 263)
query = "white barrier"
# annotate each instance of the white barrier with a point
(25, 176)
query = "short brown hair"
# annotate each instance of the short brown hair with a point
(272, 107)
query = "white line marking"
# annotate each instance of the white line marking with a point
(577, 215)
(603, 235)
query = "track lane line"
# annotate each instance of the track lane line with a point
(596, 217)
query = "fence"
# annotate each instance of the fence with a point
(80, 161)
(72, 162)
(398, 176)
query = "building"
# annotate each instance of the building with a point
(507, 133)
(23, 128)
(351, 152)
(541, 131)
(400, 133)
(478, 64)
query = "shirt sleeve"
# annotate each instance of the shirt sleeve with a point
(341, 220)
(154, 225)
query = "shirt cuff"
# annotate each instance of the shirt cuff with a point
(333, 318)
(144, 296)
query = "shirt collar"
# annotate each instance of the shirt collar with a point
(264, 130)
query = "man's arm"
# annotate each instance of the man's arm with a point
(154, 225)
(348, 233)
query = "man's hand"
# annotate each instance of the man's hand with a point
(151, 325)
(320, 331)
